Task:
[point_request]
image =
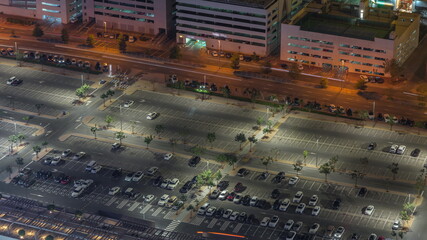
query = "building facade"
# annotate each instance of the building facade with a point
(61, 11)
(143, 16)
(354, 44)
(237, 26)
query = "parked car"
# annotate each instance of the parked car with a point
(415, 152)
(66, 153)
(223, 195)
(79, 155)
(401, 149)
(313, 229)
(293, 180)
(288, 225)
(168, 156)
(369, 210)
(297, 226)
(298, 196)
(234, 216)
(372, 146)
(362, 192)
(315, 211)
(275, 193)
(273, 222)
(163, 200)
(339, 232)
(227, 213)
(172, 184)
(313, 200)
(137, 176)
(129, 177)
(336, 204)
(265, 221)
(242, 172)
(194, 161)
(113, 191)
(222, 185)
(211, 211)
(284, 205)
(300, 208)
(152, 115)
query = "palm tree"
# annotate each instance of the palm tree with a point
(12, 139)
(103, 97)
(298, 167)
(110, 93)
(38, 106)
(328, 167)
(159, 129)
(394, 168)
(305, 154)
(19, 161)
(241, 138)
(37, 149)
(260, 121)
(252, 140)
(148, 140)
(120, 135)
(93, 130)
(108, 120)
(356, 175)
(26, 119)
(173, 142)
(44, 144)
(267, 161)
(211, 137)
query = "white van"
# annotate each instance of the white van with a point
(203, 209)
(90, 165)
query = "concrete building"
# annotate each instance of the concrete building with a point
(60, 11)
(143, 16)
(353, 38)
(239, 26)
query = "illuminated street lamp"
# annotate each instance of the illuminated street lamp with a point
(105, 26)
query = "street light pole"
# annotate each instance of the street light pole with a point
(373, 109)
(82, 79)
(219, 53)
(121, 119)
(105, 27)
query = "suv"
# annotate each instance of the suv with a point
(202, 210)
(393, 148)
(401, 149)
(194, 161)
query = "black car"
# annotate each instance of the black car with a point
(194, 161)
(187, 186)
(362, 192)
(242, 172)
(246, 200)
(262, 203)
(275, 193)
(194, 179)
(219, 213)
(223, 185)
(355, 236)
(43, 174)
(59, 178)
(380, 117)
(239, 187)
(372, 146)
(158, 181)
(251, 219)
(47, 160)
(416, 152)
(336, 204)
(278, 178)
(264, 175)
(117, 172)
(242, 217)
(214, 194)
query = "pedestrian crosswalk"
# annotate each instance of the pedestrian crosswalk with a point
(172, 225)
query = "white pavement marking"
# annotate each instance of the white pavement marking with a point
(122, 204)
(171, 227)
(237, 228)
(134, 205)
(158, 210)
(224, 225)
(212, 223)
(113, 199)
(145, 209)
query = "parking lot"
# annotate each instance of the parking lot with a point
(179, 115)
(54, 92)
(349, 144)
(7, 129)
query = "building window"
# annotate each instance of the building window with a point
(292, 37)
(52, 11)
(378, 58)
(356, 47)
(316, 48)
(327, 50)
(365, 56)
(357, 70)
(368, 49)
(50, 4)
(315, 41)
(344, 53)
(379, 51)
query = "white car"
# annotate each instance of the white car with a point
(152, 116)
(65, 153)
(291, 235)
(293, 180)
(79, 155)
(11, 80)
(339, 232)
(227, 213)
(265, 221)
(137, 176)
(300, 208)
(393, 148)
(77, 191)
(78, 183)
(297, 226)
(113, 191)
(152, 170)
(129, 177)
(234, 216)
(149, 198)
(223, 195)
(86, 183)
(168, 156)
(163, 200)
(298, 196)
(211, 211)
(165, 182)
(364, 78)
(369, 210)
(128, 103)
(373, 236)
(253, 201)
(396, 225)
(273, 222)
(202, 210)
(55, 160)
(315, 211)
(237, 199)
(313, 229)
(289, 224)
(96, 169)
(172, 184)
(401, 149)
(313, 200)
(284, 205)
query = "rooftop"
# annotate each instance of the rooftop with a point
(345, 26)
(246, 3)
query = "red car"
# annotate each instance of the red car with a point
(239, 187)
(66, 180)
(231, 196)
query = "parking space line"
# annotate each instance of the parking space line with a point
(224, 225)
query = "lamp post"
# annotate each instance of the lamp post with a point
(14, 122)
(105, 27)
(342, 71)
(219, 53)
